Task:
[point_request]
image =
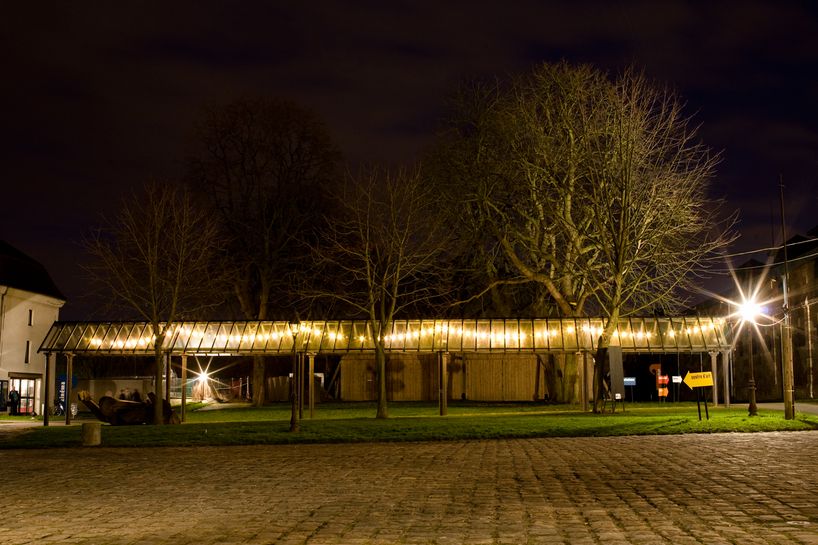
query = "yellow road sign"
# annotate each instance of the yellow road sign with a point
(698, 380)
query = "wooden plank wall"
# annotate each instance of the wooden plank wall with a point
(278, 389)
(479, 377)
(498, 377)
(410, 377)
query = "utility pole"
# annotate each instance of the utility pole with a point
(786, 334)
(809, 344)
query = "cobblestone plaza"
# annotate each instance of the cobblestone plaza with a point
(707, 489)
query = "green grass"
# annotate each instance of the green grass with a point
(354, 422)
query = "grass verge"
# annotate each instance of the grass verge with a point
(346, 423)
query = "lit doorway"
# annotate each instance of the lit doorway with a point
(27, 388)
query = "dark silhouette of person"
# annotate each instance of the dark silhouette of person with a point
(14, 401)
(136, 396)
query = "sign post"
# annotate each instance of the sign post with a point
(676, 379)
(661, 386)
(695, 381)
(630, 382)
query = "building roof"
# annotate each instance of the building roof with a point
(242, 338)
(17, 270)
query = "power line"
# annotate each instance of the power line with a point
(768, 249)
(768, 265)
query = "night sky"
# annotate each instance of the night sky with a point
(100, 97)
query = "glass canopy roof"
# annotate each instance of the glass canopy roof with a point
(645, 335)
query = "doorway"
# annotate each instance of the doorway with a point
(27, 387)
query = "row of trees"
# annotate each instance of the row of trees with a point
(557, 192)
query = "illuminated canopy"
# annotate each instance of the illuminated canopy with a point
(634, 335)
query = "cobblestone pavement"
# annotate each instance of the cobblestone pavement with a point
(708, 489)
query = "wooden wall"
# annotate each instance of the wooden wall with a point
(479, 377)
(409, 377)
(497, 377)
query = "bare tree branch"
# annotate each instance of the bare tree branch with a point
(385, 247)
(158, 260)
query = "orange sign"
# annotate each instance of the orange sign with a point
(698, 380)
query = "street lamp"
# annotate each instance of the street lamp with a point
(752, 410)
(748, 311)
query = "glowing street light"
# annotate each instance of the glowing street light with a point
(749, 310)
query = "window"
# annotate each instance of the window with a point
(28, 352)
(30, 316)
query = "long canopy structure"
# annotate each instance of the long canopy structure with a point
(237, 338)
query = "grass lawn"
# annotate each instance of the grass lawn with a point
(355, 422)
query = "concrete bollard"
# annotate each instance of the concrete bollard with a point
(91, 434)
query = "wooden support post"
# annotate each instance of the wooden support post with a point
(311, 387)
(588, 362)
(725, 380)
(69, 372)
(167, 377)
(295, 422)
(583, 389)
(465, 376)
(47, 388)
(300, 385)
(714, 368)
(184, 387)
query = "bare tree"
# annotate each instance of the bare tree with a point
(386, 248)
(465, 166)
(262, 165)
(595, 190)
(156, 258)
(654, 226)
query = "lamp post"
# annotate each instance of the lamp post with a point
(751, 385)
(748, 311)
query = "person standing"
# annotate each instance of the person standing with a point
(14, 401)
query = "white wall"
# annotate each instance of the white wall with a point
(15, 330)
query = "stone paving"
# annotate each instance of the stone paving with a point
(692, 489)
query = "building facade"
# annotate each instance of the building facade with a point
(29, 305)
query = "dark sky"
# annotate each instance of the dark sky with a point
(98, 97)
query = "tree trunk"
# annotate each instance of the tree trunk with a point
(259, 390)
(599, 375)
(380, 371)
(600, 360)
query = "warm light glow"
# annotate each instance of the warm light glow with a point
(749, 310)
(419, 334)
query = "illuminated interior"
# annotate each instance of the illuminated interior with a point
(680, 334)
